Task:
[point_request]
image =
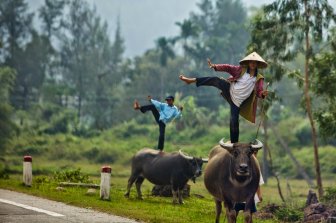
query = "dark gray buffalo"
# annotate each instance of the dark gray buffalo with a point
(231, 176)
(164, 169)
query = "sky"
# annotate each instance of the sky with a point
(144, 21)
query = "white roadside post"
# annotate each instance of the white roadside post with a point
(27, 171)
(105, 182)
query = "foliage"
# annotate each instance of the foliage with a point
(90, 63)
(63, 122)
(74, 176)
(195, 116)
(51, 15)
(222, 35)
(117, 146)
(41, 179)
(295, 26)
(15, 24)
(324, 69)
(289, 214)
(7, 77)
(305, 158)
(330, 196)
(3, 171)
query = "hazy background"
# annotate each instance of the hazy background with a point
(143, 21)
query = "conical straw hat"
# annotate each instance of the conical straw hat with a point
(254, 57)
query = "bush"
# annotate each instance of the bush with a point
(107, 156)
(131, 129)
(289, 214)
(3, 171)
(41, 179)
(75, 176)
(303, 133)
(330, 196)
(62, 123)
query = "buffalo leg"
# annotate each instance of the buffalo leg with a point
(247, 217)
(218, 210)
(248, 210)
(131, 180)
(175, 194)
(180, 194)
(175, 201)
(230, 212)
(138, 183)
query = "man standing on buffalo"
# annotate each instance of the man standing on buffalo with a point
(163, 114)
(241, 89)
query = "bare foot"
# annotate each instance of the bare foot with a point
(187, 80)
(136, 105)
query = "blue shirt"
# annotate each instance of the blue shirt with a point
(167, 113)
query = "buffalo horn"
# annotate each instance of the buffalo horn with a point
(225, 145)
(185, 156)
(205, 160)
(257, 144)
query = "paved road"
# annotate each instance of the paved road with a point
(17, 207)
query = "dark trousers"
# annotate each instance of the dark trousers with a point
(162, 125)
(224, 86)
(241, 207)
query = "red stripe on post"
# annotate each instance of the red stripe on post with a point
(27, 159)
(106, 169)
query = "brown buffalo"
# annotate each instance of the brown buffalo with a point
(164, 169)
(231, 176)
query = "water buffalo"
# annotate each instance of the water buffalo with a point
(162, 168)
(231, 176)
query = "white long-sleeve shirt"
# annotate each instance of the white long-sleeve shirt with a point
(242, 88)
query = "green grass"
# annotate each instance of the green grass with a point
(117, 145)
(151, 209)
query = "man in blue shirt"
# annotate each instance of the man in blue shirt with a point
(163, 114)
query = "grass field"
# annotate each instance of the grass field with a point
(152, 209)
(116, 147)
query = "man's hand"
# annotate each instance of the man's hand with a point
(211, 65)
(260, 198)
(264, 94)
(181, 108)
(149, 97)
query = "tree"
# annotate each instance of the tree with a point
(294, 25)
(51, 15)
(15, 26)
(118, 47)
(217, 31)
(7, 79)
(90, 62)
(222, 32)
(75, 44)
(109, 58)
(323, 68)
(166, 51)
(187, 30)
(31, 70)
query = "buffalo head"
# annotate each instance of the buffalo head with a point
(195, 165)
(241, 155)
